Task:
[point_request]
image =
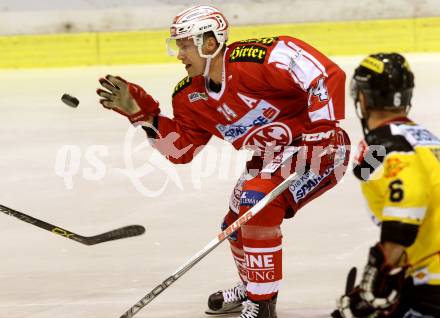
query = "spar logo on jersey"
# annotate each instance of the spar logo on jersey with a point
(248, 53)
(269, 135)
(307, 183)
(265, 41)
(181, 85)
(196, 96)
(250, 198)
(262, 114)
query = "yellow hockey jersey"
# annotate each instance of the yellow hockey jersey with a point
(399, 168)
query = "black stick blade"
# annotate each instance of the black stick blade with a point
(336, 314)
(349, 286)
(123, 232)
(351, 280)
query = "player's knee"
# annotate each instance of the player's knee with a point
(230, 218)
(261, 233)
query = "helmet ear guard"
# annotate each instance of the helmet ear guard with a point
(199, 40)
(354, 92)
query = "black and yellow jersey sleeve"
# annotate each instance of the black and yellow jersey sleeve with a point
(400, 174)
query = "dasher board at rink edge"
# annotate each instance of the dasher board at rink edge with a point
(46, 278)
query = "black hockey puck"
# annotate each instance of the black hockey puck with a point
(70, 100)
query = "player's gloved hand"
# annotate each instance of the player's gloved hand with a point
(127, 98)
(381, 282)
(320, 143)
(379, 291)
(352, 305)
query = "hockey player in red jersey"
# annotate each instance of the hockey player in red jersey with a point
(274, 95)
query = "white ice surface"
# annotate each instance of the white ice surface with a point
(45, 276)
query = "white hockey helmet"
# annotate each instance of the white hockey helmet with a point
(193, 23)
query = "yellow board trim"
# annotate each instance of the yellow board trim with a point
(142, 47)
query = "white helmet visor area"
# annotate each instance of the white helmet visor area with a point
(173, 47)
(197, 40)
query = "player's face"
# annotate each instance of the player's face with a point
(189, 55)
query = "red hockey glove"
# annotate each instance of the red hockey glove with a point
(127, 98)
(320, 142)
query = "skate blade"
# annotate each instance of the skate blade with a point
(226, 311)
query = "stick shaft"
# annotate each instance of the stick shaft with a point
(41, 224)
(209, 247)
(124, 232)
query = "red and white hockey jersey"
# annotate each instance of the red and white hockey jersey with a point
(271, 89)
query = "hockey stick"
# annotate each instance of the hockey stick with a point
(120, 233)
(351, 280)
(210, 246)
(349, 286)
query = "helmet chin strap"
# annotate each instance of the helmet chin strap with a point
(207, 66)
(364, 126)
(363, 119)
(209, 57)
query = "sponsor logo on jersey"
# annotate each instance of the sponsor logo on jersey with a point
(421, 276)
(260, 267)
(181, 85)
(307, 183)
(248, 53)
(269, 135)
(318, 136)
(250, 198)
(262, 114)
(196, 96)
(265, 41)
(422, 136)
(393, 166)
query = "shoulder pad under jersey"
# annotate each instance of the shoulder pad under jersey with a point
(182, 85)
(251, 50)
